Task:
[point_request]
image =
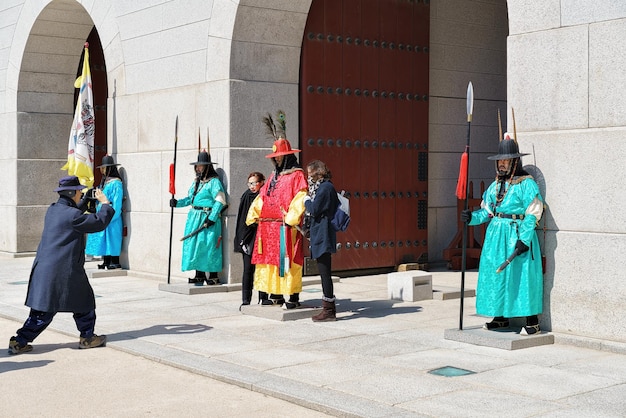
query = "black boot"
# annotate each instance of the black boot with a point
(294, 302)
(114, 262)
(263, 298)
(106, 261)
(497, 323)
(212, 278)
(199, 279)
(277, 299)
(532, 326)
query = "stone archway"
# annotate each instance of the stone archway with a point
(44, 111)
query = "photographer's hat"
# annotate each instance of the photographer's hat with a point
(69, 183)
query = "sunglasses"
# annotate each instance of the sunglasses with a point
(253, 183)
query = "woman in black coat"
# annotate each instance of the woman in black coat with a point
(58, 282)
(321, 203)
(244, 235)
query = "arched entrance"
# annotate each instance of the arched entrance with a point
(100, 88)
(364, 111)
(45, 109)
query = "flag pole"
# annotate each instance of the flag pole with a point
(470, 110)
(173, 192)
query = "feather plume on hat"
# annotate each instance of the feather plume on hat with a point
(276, 130)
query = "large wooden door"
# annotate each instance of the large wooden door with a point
(364, 112)
(100, 93)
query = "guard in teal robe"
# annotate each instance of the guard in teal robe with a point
(512, 205)
(203, 243)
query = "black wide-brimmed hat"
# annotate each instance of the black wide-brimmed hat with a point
(107, 161)
(69, 183)
(204, 158)
(507, 149)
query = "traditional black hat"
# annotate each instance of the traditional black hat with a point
(107, 161)
(507, 149)
(204, 158)
(69, 183)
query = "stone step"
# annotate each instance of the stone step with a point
(506, 339)
(97, 273)
(277, 313)
(450, 292)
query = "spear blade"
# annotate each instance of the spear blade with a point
(470, 101)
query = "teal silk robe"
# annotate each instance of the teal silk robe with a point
(518, 289)
(203, 251)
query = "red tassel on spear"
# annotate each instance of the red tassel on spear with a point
(461, 184)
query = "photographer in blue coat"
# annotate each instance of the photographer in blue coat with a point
(58, 282)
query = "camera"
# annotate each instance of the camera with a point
(90, 200)
(90, 195)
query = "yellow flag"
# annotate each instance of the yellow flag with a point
(80, 149)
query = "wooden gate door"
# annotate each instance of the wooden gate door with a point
(364, 112)
(100, 93)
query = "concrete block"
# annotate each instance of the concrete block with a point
(449, 292)
(279, 314)
(507, 339)
(98, 274)
(410, 286)
(189, 289)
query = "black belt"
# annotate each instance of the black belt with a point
(202, 208)
(509, 216)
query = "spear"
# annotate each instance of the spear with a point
(173, 192)
(462, 192)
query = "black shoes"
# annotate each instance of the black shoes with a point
(500, 322)
(497, 323)
(530, 330)
(291, 305)
(268, 302)
(109, 266)
(199, 281)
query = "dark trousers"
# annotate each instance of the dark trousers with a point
(38, 321)
(324, 267)
(248, 278)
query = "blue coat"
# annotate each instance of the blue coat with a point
(109, 241)
(321, 209)
(58, 282)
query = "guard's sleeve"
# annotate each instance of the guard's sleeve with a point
(254, 213)
(217, 190)
(296, 209)
(480, 216)
(115, 194)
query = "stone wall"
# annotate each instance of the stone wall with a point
(566, 82)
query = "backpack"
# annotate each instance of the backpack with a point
(341, 218)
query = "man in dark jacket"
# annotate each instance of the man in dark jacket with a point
(58, 282)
